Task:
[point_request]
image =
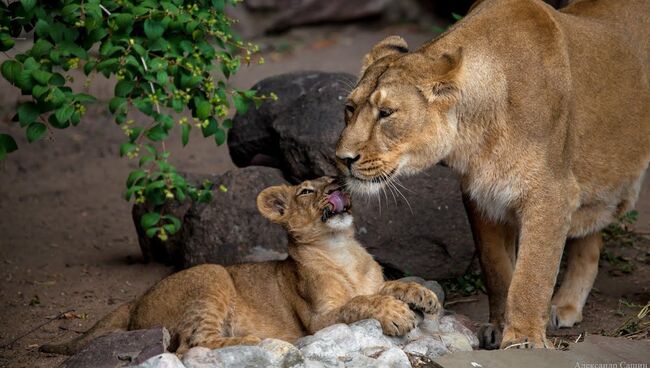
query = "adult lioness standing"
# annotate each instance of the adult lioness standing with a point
(544, 114)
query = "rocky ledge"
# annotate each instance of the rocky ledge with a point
(360, 344)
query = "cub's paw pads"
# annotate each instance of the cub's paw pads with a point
(563, 316)
(396, 317)
(489, 336)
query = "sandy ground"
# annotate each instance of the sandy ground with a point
(67, 241)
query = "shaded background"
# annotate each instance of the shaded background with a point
(67, 241)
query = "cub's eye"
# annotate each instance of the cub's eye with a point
(349, 110)
(305, 191)
(385, 112)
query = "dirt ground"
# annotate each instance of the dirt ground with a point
(67, 242)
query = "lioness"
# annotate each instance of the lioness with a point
(545, 116)
(328, 278)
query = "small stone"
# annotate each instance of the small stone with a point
(369, 336)
(429, 347)
(362, 361)
(166, 360)
(200, 357)
(393, 358)
(242, 356)
(283, 353)
(324, 351)
(450, 324)
(456, 341)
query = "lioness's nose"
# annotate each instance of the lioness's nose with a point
(348, 159)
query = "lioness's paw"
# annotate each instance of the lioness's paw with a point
(396, 317)
(489, 336)
(564, 316)
(514, 340)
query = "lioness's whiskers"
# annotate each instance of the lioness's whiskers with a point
(390, 181)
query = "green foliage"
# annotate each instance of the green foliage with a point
(468, 284)
(164, 55)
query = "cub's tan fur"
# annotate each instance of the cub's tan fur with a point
(328, 278)
(545, 116)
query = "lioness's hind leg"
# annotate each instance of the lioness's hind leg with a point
(582, 268)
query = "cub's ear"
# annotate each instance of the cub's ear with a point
(273, 202)
(388, 46)
(442, 85)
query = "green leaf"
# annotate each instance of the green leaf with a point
(149, 219)
(28, 5)
(203, 109)
(153, 29)
(39, 90)
(124, 87)
(144, 105)
(41, 76)
(35, 131)
(456, 17)
(185, 134)
(40, 48)
(11, 69)
(126, 148)
(64, 113)
(83, 97)
(241, 104)
(57, 97)
(157, 133)
(117, 105)
(220, 136)
(7, 145)
(175, 222)
(134, 177)
(162, 77)
(152, 231)
(27, 113)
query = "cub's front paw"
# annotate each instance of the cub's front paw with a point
(421, 298)
(395, 316)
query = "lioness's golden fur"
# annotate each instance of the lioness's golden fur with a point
(328, 278)
(544, 114)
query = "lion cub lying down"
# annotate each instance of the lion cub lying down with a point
(328, 278)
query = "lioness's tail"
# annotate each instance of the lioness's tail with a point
(115, 320)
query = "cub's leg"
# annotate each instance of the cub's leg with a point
(413, 294)
(582, 268)
(495, 244)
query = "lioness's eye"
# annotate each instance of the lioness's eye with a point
(349, 110)
(384, 113)
(306, 191)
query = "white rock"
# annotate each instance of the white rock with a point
(456, 341)
(393, 358)
(242, 356)
(324, 351)
(429, 347)
(200, 357)
(166, 360)
(451, 324)
(283, 353)
(369, 336)
(362, 361)
(342, 335)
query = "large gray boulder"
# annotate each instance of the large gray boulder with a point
(419, 227)
(228, 230)
(298, 132)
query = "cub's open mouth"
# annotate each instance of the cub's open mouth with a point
(338, 202)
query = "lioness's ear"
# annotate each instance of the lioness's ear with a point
(443, 85)
(272, 202)
(388, 46)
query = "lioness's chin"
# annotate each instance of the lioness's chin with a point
(363, 187)
(340, 222)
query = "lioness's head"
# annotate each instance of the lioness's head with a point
(309, 210)
(399, 118)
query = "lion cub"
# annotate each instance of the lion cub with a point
(328, 278)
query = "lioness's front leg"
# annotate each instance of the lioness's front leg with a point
(544, 225)
(395, 316)
(413, 294)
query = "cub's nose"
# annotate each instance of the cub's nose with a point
(348, 159)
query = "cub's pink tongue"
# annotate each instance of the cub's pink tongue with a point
(337, 200)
